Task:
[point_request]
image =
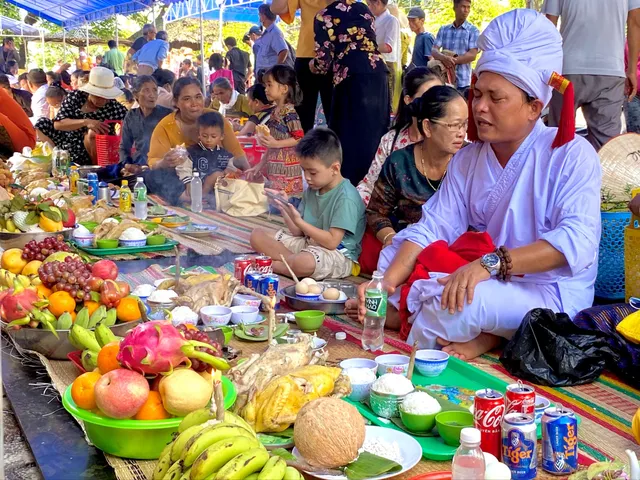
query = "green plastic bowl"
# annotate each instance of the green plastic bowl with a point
(451, 423)
(138, 439)
(108, 243)
(91, 226)
(418, 423)
(309, 320)
(156, 240)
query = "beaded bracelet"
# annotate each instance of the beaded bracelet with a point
(506, 264)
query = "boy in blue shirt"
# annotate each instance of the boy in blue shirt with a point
(326, 229)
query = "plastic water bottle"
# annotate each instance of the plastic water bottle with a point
(140, 199)
(125, 197)
(468, 462)
(196, 193)
(375, 301)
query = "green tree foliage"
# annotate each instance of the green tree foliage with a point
(9, 10)
(440, 12)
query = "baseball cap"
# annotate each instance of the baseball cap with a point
(416, 12)
(255, 30)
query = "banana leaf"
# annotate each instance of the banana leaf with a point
(369, 465)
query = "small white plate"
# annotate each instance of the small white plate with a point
(409, 448)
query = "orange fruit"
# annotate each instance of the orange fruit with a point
(191, 327)
(73, 316)
(152, 409)
(12, 260)
(82, 390)
(107, 357)
(43, 292)
(91, 306)
(31, 268)
(60, 302)
(128, 310)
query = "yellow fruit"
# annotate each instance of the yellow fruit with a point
(635, 426)
(59, 256)
(49, 225)
(12, 260)
(11, 227)
(31, 268)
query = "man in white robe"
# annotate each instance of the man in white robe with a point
(538, 197)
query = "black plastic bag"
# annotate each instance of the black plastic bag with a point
(549, 349)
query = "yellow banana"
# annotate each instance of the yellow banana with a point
(182, 439)
(24, 280)
(175, 472)
(163, 465)
(207, 437)
(244, 464)
(274, 469)
(186, 474)
(291, 473)
(197, 417)
(230, 417)
(254, 476)
(219, 454)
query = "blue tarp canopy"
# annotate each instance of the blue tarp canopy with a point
(73, 13)
(16, 27)
(232, 10)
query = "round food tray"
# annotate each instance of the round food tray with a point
(335, 307)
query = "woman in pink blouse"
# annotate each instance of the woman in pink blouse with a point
(216, 63)
(404, 131)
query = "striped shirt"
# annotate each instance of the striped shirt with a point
(459, 40)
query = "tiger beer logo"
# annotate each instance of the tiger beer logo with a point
(570, 441)
(517, 451)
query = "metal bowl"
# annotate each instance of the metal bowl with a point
(44, 342)
(19, 240)
(335, 307)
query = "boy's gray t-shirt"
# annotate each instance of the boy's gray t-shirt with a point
(593, 33)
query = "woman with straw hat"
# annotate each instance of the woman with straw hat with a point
(82, 115)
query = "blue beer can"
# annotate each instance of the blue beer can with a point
(520, 445)
(252, 280)
(92, 183)
(268, 286)
(559, 441)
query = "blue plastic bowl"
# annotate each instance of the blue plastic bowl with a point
(431, 363)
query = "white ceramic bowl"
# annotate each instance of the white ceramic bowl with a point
(360, 363)
(243, 314)
(215, 316)
(84, 240)
(431, 363)
(309, 297)
(133, 243)
(542, 403)
(245, 300)
(392, 363)
(360, 391)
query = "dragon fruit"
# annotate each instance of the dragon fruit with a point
(158, 347)
(22, 306)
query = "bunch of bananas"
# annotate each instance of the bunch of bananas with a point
(8, 279)
(206, 449)
(90, 341)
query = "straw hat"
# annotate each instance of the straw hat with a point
(620, 160)
(100, 84)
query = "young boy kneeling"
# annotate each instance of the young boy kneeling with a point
(327, 228)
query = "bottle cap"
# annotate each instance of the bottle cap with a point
(139, 179)
(124, 183)
(341, 336)
(470, 435)
(196, 174)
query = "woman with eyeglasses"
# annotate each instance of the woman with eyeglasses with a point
(410, 176)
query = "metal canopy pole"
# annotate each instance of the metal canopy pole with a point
(117, 36)
(87, 25)
(220, 21)
(204, 83)
(44, 61)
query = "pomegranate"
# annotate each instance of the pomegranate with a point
(105, 269)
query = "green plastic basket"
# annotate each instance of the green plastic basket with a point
(138, 439)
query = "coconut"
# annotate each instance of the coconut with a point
(329, 432)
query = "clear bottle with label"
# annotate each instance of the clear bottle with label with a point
(125, 197)
(468, 462)
(140, 199)
(196, 193)
(375, 300)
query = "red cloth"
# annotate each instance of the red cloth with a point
(442, 258)
(371, 248)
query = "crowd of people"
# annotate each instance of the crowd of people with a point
(466, 198)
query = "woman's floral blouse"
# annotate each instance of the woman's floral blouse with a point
(345, 40)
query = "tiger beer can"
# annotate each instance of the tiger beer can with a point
(559, 441)
(520, 445)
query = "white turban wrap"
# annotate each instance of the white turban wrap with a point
(524, 47)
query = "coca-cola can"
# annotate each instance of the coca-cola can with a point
(520, 398)
(264, 264)
(241, 265)
(488, 410)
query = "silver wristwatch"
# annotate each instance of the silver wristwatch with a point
(491, 263)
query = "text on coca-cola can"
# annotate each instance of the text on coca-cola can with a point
(488, 410)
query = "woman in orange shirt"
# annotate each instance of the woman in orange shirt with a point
(16, 130)
(180, 129)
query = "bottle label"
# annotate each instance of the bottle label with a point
(376, 304)
(141, 195)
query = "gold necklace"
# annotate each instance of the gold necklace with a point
(424, 170)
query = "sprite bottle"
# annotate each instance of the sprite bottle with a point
(375, 301)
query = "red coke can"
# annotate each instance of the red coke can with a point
(242, 265)
(488, 410)
(264, 264)
(521, 398)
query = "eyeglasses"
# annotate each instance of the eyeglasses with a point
(453, 127)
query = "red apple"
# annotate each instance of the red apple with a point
(95, 283)
(121, 393)
(125, 289)
(105, 269)
(71, 219)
